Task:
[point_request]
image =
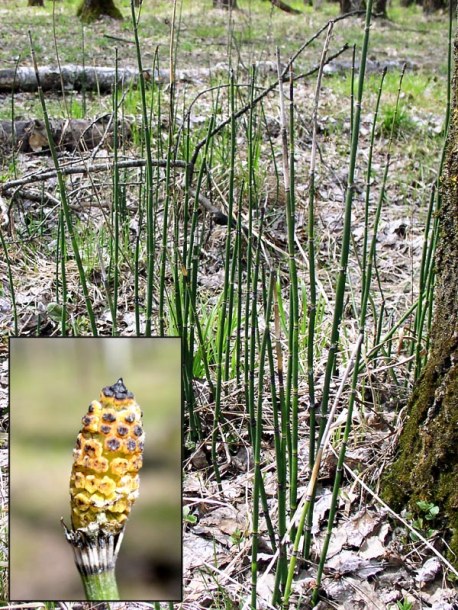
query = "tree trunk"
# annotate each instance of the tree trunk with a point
(285, 7)
(426, 467)
(90, 10)
(227, 4)
(35, 3)
(380, 8)
(346, 6)
(430, 6)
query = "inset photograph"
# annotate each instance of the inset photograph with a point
(95, 469)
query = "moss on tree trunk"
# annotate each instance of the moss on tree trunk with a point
(426, 467)
(90, 10)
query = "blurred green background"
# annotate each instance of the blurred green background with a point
(52, 382)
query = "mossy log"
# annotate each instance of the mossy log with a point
(426, 467)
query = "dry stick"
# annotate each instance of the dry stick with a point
(218, 216)
(305, 500)
(85, 169)
(285, 71)
(264, 91)
(262, 95)
(316, 468)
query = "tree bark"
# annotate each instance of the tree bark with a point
(346, 6)
(90, 10)
(426, 467)
(285, 7)
(380, 8)
(431, 6)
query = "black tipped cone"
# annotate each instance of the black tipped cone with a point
(118, 390)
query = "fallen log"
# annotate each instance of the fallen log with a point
(68, 134)
(73, 77)
(70, 76)
(85, 78)
(372, 66)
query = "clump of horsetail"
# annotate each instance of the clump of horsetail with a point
(64, 197)
(104, 484)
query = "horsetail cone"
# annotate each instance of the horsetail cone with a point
(108, 455)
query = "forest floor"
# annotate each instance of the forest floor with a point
(374, 560)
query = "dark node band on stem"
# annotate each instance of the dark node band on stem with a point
(95, 551)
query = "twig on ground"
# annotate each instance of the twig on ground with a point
(84, 169)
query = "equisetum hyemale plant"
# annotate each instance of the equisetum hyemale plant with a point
(103, 486)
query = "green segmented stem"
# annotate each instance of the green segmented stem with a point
(101, 586)
(63, 196)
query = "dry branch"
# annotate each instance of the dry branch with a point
(265, 92)
(8, 187)
(285, 7)
(68, 134)
(11, 188)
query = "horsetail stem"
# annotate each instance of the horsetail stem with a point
(103, 486)
(312, 281)
(293, 345)
(346, 234)
(150, 226)
(365, 298)
(116, 201)
(63, 196)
